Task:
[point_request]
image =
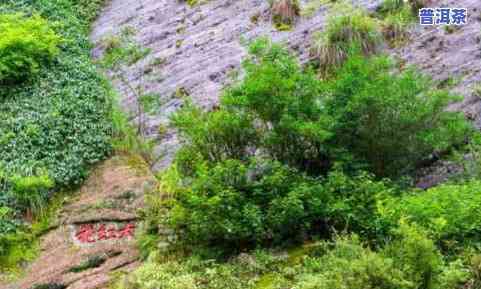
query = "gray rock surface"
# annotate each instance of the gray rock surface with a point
(454, 55)
(200, 46)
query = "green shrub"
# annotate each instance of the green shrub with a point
(267, 165)
(285, 104)
(392, 121)
(351, 265)
(31, 192)
(352, 27)
(216, 136)
(411, 260)
(447, 211)
(234, 203)
(416, 255)
(25, 44)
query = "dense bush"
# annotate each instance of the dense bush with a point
(391, 120)
(277, 109)
(25, 44)
(411, 261)
(267, 165)
(241, 203)
(351, 265)
(447, 211)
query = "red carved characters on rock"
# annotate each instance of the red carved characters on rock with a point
(88, 233)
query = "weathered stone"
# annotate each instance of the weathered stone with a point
(211, 48)
(61, 249)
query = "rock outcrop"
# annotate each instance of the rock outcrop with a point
(198, 47)
(93, 236)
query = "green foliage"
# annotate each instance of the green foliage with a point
(280, 157)
(121, 50)
(347, 28)
(350, 265)
(397, 17)
(417, 255)
(215, 136)
(286, 103)
(389, 6)
(395, 26)
(449, 211)
(236, 203)
(31, 192)
(18, 242)
(233, 203)
(91, 262)
(199, 273)
(411, 262)
(391, 120)
(25, 44)
(54, 126)
(88, 10)
(16, 248)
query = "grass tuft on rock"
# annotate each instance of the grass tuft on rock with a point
(343, 30)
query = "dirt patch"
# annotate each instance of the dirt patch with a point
(95, 232)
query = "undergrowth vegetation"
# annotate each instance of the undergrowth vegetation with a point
(412, 260)
(55, 108)
(285, 153)
(289, 158)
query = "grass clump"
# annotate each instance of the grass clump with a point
(343, 30)
(26, 43)
(397, 17)
(284, 13)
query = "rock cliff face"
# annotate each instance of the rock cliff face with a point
(199, 46)
(93, 236)
(451, 55)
